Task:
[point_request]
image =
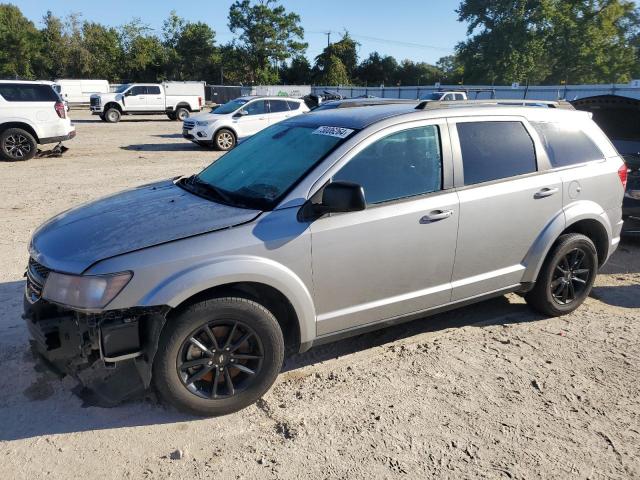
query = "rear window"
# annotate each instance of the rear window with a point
(566, 144)
(495, 150)
(24, 92)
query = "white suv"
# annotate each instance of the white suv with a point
(31, 113)
(227, 124)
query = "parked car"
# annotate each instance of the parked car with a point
(31, 114)
(321, 227)
(78, 91)
(445, 96)
(631, 204)
(238, 119)
(362, 102)
(177, 100)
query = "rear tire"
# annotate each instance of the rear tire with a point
(181, 114)
(233, 372)
(112, 115)
(224, 140)
(566, 277)
(17, 145)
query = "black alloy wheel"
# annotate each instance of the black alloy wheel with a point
(220, 359)
(571, 276)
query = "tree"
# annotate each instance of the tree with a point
(197, 51)
(297, 73)
(103, 51)
(268, 35)
(548, 41)
(509, 41)
(345, 50)
(452, 71)
(592, 41)
(334, 73)
(417, 73)
(376, 70)
(143, 54)
(54, 48)
(19, 44)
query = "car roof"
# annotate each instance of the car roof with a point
(29, 82)
(267, 97)
(353, 102)
(361, 117)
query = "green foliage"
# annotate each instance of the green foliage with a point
(345, 50)
(297, 73)
(548, 41)
(267, 36)
(19, 44)
(377, 70)
(334, 72)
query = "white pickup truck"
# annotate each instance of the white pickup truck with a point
(443, 95)
(175, 99)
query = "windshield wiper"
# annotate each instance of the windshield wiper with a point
(194, 183)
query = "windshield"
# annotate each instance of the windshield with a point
(262, 169)
(122, 88)
(432, 96)
(229, 107)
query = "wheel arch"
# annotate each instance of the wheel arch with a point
(269, 283)
(112, 104)
(183, 105)
(225, 127)
(23, 125)
(584, 217)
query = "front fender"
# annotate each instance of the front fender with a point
(226, 270)
(571, 214)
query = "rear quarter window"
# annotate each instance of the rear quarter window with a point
(16, 92)
(566, 144)
(293, 105)
(495, 150)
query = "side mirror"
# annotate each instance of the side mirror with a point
(128, 93)
(337, 197)
(241, 113)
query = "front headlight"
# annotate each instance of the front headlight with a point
(84, 292)
(202, 123)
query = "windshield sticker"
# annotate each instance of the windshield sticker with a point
(333, 131)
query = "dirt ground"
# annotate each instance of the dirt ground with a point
(490, 391)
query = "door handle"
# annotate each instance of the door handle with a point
(436, 215)
(262, 118)
(545, 192)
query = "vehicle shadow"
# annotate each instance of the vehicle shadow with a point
(168, 135)
(626, 296)
(27, 392)
(122, 120)
(626, 259)
(162, 147)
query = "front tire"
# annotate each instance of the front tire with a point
(566, 277)
(112, 115)
(224, 140)
(218, 356)
(17, 145)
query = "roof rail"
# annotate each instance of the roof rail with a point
(436, 104)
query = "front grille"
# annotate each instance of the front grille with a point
(95, 101)
(189, 125)
(36, 276)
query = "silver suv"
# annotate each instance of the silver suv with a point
(319, 227)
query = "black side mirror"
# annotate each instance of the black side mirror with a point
(128, 93)
(337, 197)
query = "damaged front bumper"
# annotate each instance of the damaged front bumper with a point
(110, 353)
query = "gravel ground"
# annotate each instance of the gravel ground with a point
(490, 391)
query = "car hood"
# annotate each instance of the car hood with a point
(130, 220)
(209, 117)
(105, 97)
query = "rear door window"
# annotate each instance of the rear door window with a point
(278, 106)
(153, 90)
(25, 92)
(495, 150)
(566, 144)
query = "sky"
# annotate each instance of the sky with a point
(419, 30)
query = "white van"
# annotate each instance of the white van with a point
(80, 91)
